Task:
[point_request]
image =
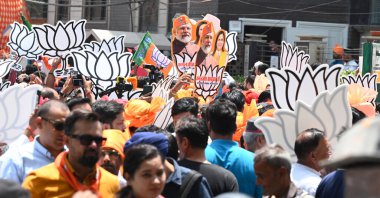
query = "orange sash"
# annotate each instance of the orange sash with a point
(65, 170)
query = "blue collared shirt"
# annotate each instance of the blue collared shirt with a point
(18, 162)
(175, 179)
(228, 154)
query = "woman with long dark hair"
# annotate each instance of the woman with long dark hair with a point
(144, 172)
(198, 32)
(220, 52)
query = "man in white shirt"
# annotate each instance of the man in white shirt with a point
(311, 146)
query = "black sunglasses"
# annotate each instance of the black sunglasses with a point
(86, 140)
(58, 125)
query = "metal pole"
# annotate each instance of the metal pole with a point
(188, 8)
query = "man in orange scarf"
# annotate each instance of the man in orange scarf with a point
(77, 169)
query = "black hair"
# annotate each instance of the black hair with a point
(137, 154)
(262, 68)
(232, 86)
(222, 117)
(172, 142)
(183, 105)
(357, 115)
(195, 130)
(250, 79)
(76, 116)
(143, 80)
(307, 141)
(264, 96)
(134, 157)
(107, 110)
(44, 110)
(197, 36)
(30, 69)
(236, 97)
(77, 101)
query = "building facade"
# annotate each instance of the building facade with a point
(314, 26)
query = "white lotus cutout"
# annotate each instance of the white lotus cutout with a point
(16, 106)
(292, 58)
(330, 113)
(5, 66)
(164, 117)
(231, 46)
(208, 80)
(102, 68)
(113, 45)
(5, 85)
(289, 86)
(185, 63)
(60, 40)
(129, 95)
(367, 81)
(24, 42)
(162, 88)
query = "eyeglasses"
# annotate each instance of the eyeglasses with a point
(86, 140)
(111, 153)
(58, 125)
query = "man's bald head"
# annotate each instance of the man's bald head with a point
(50, 93)
(311, 146)
(44, 110)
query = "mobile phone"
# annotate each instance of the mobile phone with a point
(147, 89)
(78, 81)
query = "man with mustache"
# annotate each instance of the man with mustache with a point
(204, 56)
(77, 169)
(112, 155)
(183, 51)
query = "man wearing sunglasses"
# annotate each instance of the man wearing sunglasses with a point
(76, 169)
(17, 162)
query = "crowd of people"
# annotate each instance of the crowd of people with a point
(80, 146)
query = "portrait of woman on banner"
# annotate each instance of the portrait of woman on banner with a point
(197, 32)
(220, 52)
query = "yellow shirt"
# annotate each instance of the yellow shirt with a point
(47, 182)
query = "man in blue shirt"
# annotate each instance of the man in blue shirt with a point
(17, 162)
(221, 121)
(178, 177)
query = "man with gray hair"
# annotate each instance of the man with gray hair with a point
(253, 137)
(272, 166)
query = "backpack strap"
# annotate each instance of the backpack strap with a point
(188, 183)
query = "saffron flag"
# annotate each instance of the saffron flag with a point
(148, 53)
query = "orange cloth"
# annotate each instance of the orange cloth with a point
(115, 140)
(180, 21)
(207, 29)
(360, 97)
(269, 113)
(140, 113)
(49, 182)
(240, 127)
(249, 112)
(338, 49)
(250, 95)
